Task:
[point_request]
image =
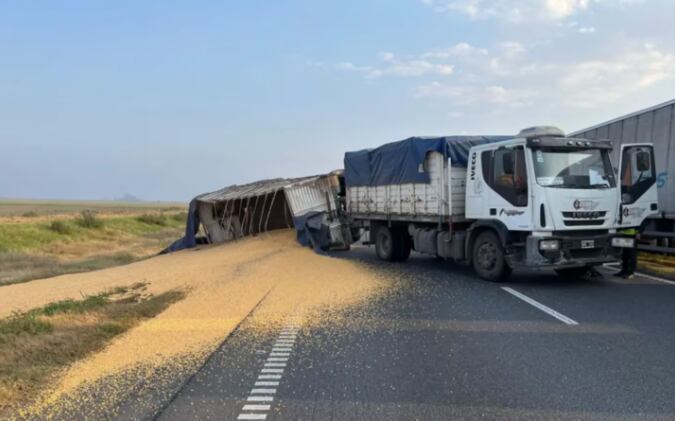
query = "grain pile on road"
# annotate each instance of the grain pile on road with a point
(270, 273)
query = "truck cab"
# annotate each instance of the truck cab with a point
(554, 202)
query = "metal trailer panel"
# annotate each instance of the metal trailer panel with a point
(310, 196)
(655, 125)
(414, 201)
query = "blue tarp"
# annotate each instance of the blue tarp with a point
(191, 229)
(311, 232)
(399, 162)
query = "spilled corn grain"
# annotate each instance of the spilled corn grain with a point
(224, 282)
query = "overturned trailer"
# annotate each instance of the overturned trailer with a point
(308, 204)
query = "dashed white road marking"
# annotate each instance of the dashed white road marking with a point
(272, 370)
(266, 384)
(257, 407)
(264, 391)
(275, 364)
(270, 375)
(260, 398)
(540, 306)
(252, 416)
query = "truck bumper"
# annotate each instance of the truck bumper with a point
(572, 252)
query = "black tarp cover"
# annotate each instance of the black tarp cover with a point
(399, 162)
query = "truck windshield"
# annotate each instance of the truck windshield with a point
(573, 169)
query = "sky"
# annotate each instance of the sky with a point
(168, 99)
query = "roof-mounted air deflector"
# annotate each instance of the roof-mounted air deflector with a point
(540, 131)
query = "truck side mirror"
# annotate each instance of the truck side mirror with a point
(643, 161)
(507, 163)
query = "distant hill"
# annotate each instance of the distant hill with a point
(128, 198)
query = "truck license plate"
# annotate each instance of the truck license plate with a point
(587, 244)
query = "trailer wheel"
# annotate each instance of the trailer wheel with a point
(385, 244)
(488, 258)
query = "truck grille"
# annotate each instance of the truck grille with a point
(588, 222)
(584, 218)
(585, 215)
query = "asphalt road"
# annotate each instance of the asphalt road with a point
(450, 346)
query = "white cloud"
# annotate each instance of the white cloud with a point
(468, 94)
(586, 30)
(512, 74)
(393, 66)
(461, 49)
(595, 82)
(511, 10)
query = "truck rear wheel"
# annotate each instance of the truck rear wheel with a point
(391, 244)
(385, 244)
(488, 258)
(403, 245)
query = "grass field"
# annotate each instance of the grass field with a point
(41, 239)
(33, 208)
(36, 345)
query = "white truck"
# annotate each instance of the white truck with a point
(539, 200)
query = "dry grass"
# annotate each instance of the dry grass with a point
(37, 208)
(657, 264)
(43, 246)
(36, 345)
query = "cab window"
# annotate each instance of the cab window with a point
(506, 173)
(637, 172)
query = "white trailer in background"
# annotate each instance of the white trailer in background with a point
(536, 201)
(654, 125)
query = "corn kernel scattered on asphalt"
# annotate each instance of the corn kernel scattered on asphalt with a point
(224, 283)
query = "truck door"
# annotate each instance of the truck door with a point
(508, 180)
(637, 174)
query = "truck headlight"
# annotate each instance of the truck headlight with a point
(549, 245)
(624, 242)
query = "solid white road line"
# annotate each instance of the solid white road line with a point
(256, 408)
(655, 278)
(252, 417)
(540, 306)
(643, 275)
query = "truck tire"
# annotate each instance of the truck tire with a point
(573, 273)
(385, 243)
(488, 258)
(403, 245)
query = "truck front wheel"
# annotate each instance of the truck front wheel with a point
(488, 258)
